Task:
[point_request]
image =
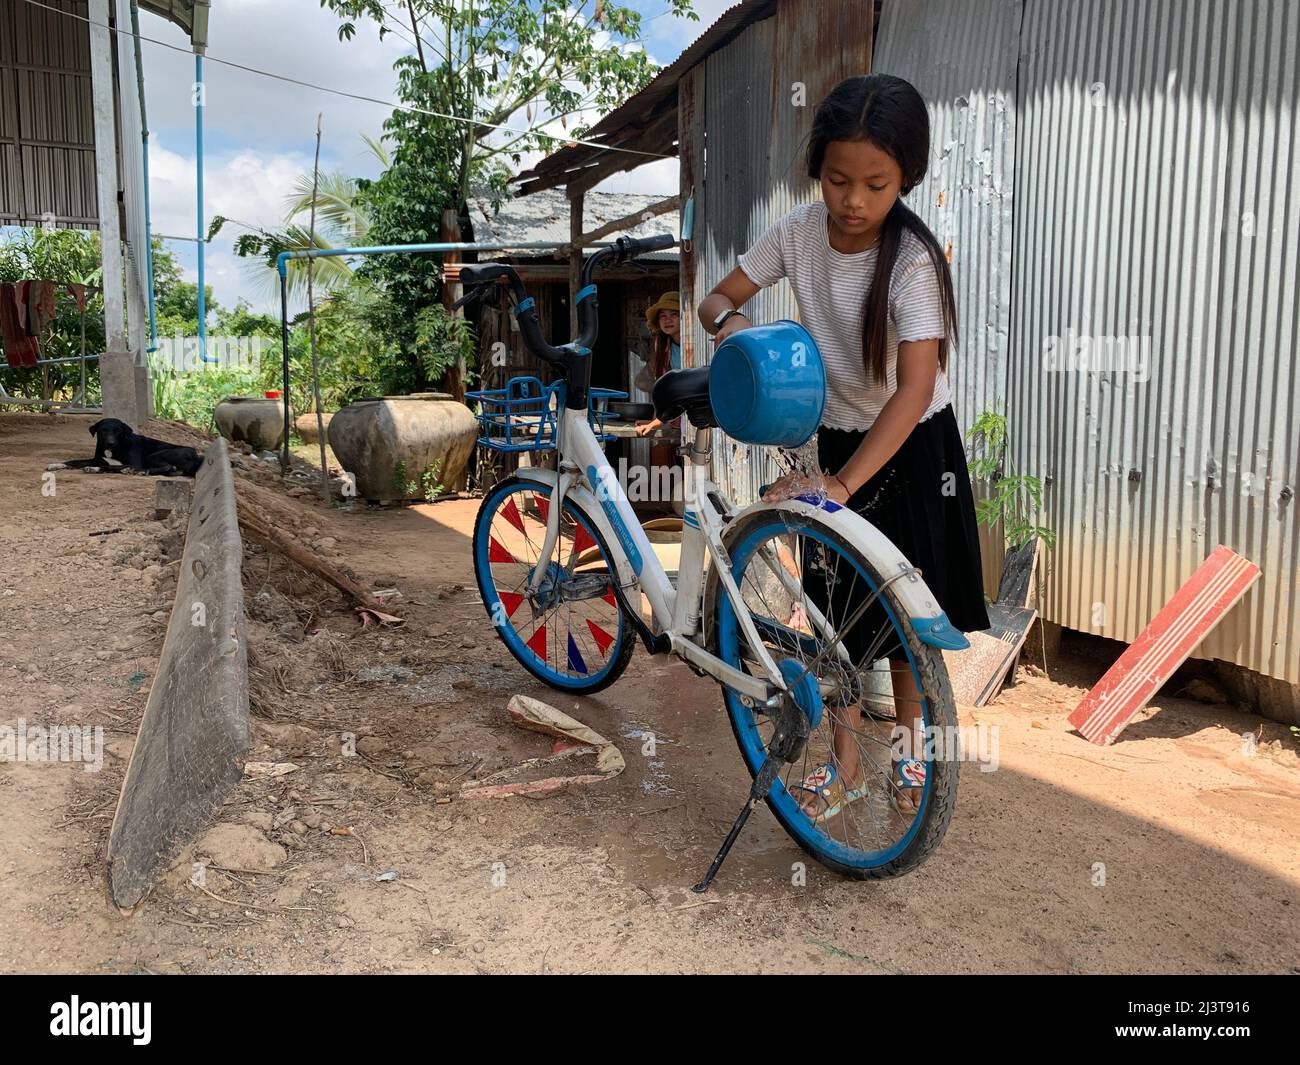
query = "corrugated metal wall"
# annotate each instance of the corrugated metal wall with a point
(1158, 199)
(752, 165)
(47, 138)
(962, 58)
(1155, 198)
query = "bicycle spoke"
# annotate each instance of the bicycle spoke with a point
(855, 741)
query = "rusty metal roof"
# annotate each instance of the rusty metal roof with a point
(646, 122)
(546, 217)
(189, 15)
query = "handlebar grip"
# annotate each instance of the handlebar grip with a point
(477, 273)
(631, 247)
(658, 242)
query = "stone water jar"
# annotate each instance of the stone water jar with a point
(305, 424)
(251, 420)
(390, 441)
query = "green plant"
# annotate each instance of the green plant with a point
(432, 487)
(191, 396)
(489, 80)
(1013, 500)
(441, 338)
(399, 478)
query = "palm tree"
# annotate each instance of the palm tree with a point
(342, 221)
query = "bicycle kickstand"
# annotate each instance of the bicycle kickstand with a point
(762, 785)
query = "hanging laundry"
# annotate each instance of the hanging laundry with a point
(78, 293)
(20, 350)
(40, 305)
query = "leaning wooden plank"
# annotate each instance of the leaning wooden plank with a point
(978, 672)
(1018, 571)
(1164, 644)
(193, 737)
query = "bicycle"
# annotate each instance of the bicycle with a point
(561, 563)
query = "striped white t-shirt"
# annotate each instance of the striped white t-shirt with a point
(831, 290)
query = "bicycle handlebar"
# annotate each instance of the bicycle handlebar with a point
(574, 358)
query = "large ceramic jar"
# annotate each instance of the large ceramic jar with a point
(305, 424)
(251, 420)
(398, 447)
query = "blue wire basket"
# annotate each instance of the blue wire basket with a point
(523, 416)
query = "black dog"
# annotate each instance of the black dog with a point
(132, 453)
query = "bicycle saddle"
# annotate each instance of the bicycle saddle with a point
(685, 392)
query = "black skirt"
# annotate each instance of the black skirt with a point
(928, 515)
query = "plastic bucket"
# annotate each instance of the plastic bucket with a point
(767, 385)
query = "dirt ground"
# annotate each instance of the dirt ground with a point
(1198, 837)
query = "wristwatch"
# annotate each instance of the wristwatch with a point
(725, 316)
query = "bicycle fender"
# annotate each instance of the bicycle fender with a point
(928, 620)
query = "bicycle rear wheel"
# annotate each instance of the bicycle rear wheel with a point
(571, 634)
(870, 837)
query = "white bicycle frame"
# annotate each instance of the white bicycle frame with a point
(585, 475)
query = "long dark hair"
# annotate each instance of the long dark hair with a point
(890, 113)
(661, 353)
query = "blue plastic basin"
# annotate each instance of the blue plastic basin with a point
(767, 385)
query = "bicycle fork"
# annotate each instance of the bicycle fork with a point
(564, 482)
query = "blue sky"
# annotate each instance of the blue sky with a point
(259, 132)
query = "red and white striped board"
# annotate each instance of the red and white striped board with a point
(1164, 645)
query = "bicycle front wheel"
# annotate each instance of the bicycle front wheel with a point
(790, 569)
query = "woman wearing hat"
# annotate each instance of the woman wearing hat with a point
(663, 317)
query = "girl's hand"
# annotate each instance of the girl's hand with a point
(646, 428)
(796, 484)
(735, 324)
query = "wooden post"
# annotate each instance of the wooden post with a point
(449, 233)
(576, 201)
(690, 141)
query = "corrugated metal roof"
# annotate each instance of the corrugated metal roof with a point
(545, 216)
(633, 124)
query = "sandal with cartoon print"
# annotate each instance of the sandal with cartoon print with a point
(825, 784)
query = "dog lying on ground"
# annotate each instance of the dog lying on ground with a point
(119, 449)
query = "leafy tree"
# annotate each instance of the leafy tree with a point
(480, 66)
(342, 221)
(179, 307)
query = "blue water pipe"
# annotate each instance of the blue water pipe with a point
(282, 265)
(200, 102)
(148, 219)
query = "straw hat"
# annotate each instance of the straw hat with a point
(669, 301)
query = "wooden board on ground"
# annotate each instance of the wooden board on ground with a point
(1164, 644)
(977, 673)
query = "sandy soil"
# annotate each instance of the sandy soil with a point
(1197, 836)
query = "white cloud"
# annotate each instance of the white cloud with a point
(260, 132)
(247, 185)
(294, 38)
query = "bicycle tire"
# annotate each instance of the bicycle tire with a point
(931, 822)
(620, 654)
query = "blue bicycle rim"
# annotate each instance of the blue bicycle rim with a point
(491, 595)
(751, 743)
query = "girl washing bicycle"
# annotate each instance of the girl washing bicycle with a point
(874, 289)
